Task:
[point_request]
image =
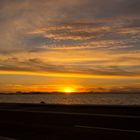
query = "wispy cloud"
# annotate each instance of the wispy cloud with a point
(83, 38)
(87, 69)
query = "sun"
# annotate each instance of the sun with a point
(68, 90)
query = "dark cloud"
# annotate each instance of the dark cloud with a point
(87, 34)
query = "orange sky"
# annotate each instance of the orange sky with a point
(54, 45)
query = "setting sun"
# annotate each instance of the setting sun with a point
(68, 91)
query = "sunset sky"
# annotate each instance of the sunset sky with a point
(82, 45)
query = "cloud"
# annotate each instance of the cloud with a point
(39, 66)
(32, 25)
(126, 89)
(87, 35)
(58, 36)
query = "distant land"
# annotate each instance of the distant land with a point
(91, 92)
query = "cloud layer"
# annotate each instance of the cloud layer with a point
(81, 37)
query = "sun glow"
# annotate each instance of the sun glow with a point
(68, 91)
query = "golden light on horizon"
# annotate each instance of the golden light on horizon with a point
(68, 91)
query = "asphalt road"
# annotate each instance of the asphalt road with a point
(35, 121)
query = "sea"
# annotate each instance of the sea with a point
(76, 99)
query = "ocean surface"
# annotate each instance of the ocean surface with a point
(113, 99)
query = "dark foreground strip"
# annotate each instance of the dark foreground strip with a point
(107, 129)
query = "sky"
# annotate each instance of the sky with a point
(82, 45)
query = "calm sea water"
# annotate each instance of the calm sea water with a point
(115, 99)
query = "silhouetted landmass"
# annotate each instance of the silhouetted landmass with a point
(91, 92)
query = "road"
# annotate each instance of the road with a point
(35, 121)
